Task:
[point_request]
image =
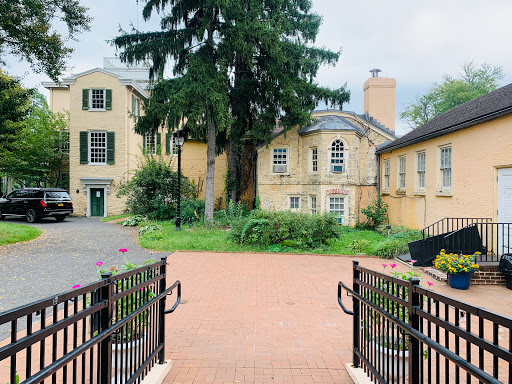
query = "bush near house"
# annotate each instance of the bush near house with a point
(284, 227)
(152, 190)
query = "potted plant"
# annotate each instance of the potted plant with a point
(458, 267)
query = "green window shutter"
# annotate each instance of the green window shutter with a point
(84, 148)
(111, 143)
(85, 98)
(108, 99)
(167, 143)
(159, 143)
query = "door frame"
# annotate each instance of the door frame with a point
(98, 183)
(89, 202)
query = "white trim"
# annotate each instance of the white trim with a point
(290, 203)
(442, 190)
(91, 108)
(417, 188)
(345, 156)
(345, 217)
(89, 162)
(288, 154)
(398, 181)
(99, 183)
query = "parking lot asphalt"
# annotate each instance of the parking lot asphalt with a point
(64, 255)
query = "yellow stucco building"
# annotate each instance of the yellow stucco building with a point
(330, 165)
(104, 149)
(458, 165)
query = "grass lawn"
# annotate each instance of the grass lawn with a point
(11, 233)
(112, 218)
(351, 241)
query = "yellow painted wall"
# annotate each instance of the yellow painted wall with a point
(359, 179)
(477, 153)
(59, 100)
(379, 100)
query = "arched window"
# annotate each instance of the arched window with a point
(337, 156)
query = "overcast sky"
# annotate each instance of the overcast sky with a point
(415, 42)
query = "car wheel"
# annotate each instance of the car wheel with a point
(31, 216)
(60, 217)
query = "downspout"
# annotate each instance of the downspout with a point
(255, 178)
(378, 174)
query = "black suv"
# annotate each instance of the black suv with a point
(34, 203)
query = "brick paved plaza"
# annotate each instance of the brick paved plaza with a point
(271, 318)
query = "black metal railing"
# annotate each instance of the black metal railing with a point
(464, 235)
(108, 332)
(406, 333)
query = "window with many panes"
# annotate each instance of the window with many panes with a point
(64, 143)
(280, 160)
(97, 98)
(150, 144)
(337, 156)
(312, 203)
(386, 174)
(446, 167)
(420, 170)
(97, 147)
(294, 202)
(337, 206)
(401, 173)
(314, 159)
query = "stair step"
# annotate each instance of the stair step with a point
(435, 273)
(406, 257)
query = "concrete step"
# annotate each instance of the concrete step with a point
(435, 273)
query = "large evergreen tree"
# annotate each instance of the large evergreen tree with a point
(241, 66)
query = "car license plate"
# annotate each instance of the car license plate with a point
(61, 205)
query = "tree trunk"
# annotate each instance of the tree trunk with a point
(210, 172)
(233, 164)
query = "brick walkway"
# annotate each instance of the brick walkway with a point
(271, 318)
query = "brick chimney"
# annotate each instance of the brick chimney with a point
(379, 99)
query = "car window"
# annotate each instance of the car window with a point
(12, 195)
(37, 194)
(58, 195)
(23, 194)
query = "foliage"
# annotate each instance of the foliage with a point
(239, 67)
(394, 245)
(473, 82)
(149, 228)
(263, 227)
(39, 155)
(152, 190)
(233, 212)
(394, 230)
(133, 221)
(192, 210)
(11, 233)
(358, 245)
(453, 263)
(27, 31)
(376, 213)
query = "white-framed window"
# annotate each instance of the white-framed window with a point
(386, 174)
(294, 202)
(401, 172)
(446, 167)
(280, 160)
(314, 159)
(97, 147)
(64, 144)
(337, 206)
(337, 156)
(135, 106)
(312, 205)
(420, 170)
(150, 144)
(97, 97)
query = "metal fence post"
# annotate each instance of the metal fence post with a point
(414, 321)
(355, 309)
(105, 320)
(161, 331)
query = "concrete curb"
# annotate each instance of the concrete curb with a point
(357, 375)
(158, 373)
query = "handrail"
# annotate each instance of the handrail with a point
(454, 358)
(178, 299)
(340, 302)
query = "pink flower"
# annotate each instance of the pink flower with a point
(76, 286)
(99, 263)
(393, 265)
(430, 283)
(112, 269)
(413, 261)
(384, 265)
(123, 250)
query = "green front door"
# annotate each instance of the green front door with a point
(97, 202)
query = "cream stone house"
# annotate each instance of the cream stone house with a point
(330, 165)
(104, 149)
(458, 165)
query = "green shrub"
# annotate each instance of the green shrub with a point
(152, 190)
(395, 245)
(376, 213)
(265, 228)
(358, 245)
(134, 221)
(192, 210)
(149, 228)
(395, 229)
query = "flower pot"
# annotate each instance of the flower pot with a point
(396, 368)
(460, 280)
(124, 352)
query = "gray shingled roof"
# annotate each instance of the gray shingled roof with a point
(484, 108)
(330, 123)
